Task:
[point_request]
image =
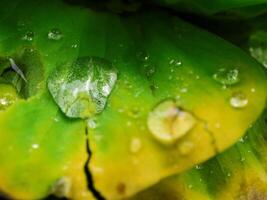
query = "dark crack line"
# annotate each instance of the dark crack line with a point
(89, 177)
(213, 140)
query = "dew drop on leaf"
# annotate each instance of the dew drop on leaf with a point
(135, 145)
(81, 88)
(227, 76)
(28, 36)
(8, 96)
(238, 100)
(167, 123)
(55, 34)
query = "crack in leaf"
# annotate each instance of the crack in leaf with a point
(88, 174)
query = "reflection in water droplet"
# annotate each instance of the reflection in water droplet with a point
(227, 76)
(186, 148)
(238, 100)
(29, 35)
(135, 145)
(81, 88)
(54, 34)
(167, 123)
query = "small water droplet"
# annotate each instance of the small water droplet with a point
(253, 90)
(74, 46)
(238, 100)
(91, 123)
(55, 34)
(134, 112)
(168, 123)
(35, 146)
(135, 145)
(190, 186)
(175, 63)
(229, 174)
(129, 123)
(186, 148)
(227, 76)
(142, 56)
(29, 35)
(8, 96)
(242, 159)
(150, 70)
(198, 167)
(62, 187)
(241, 140)
(217, 125)
(184, 90)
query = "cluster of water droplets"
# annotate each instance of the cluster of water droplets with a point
(228, 78)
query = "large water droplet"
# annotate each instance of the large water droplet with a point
(55, 34)
(167, 123)
(227, 76)
(81, 88)
(238, 100)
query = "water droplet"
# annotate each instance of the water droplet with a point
(142, 56)
(62, 187)
(29, 35)
(217, 125)
(74, 46)
(184, 90)
(198, 167)
(175, 63)
(54, 34)
(228, 174)
(8, 96)
(253, 90)
(241, 140)
(81, 88)
(167, 123)
(227, 76)
(134, 112)
(238, 100)
(149, 70)
(91, 123)
(135, 145)
(35, 146)
(186, 148)
(190, 186)
(56, 119)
